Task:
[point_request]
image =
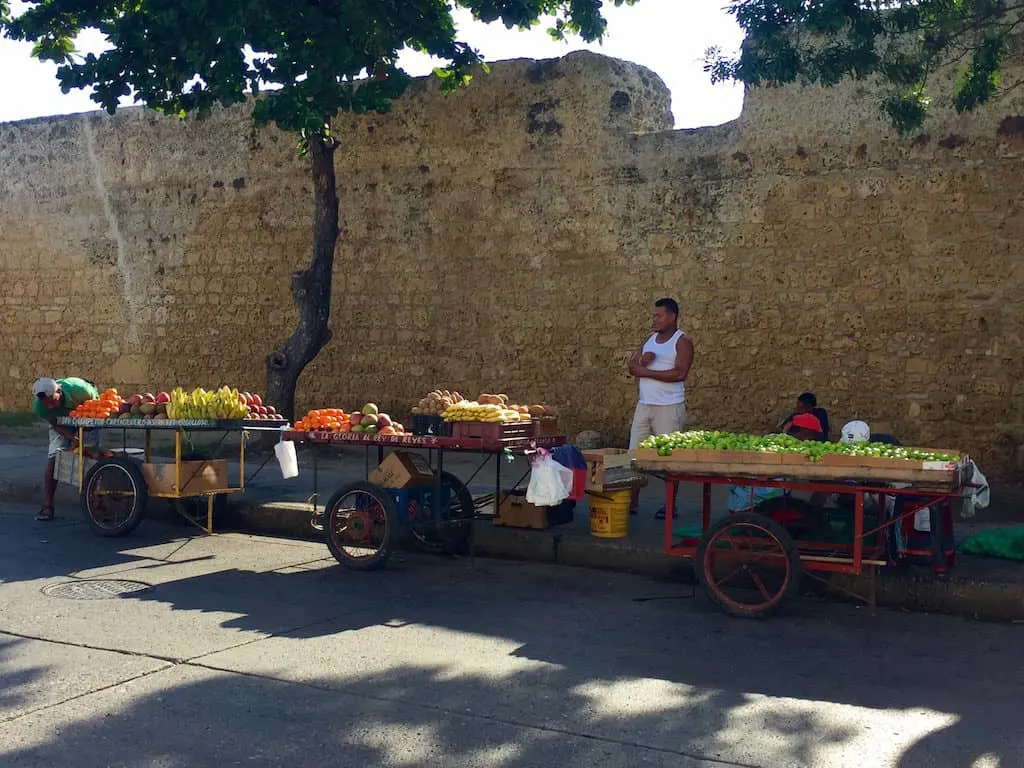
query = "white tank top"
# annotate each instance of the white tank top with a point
(653, 392)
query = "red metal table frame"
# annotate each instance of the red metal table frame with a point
(431, 443)
(919, 498)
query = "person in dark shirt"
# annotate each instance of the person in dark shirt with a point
(808, 421)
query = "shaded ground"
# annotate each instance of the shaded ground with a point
(262, 652)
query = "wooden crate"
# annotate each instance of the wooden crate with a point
(494, 431)
(547, 426)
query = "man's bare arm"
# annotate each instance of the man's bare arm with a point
(66, 432)
(684, 360)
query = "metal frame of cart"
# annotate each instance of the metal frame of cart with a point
(342, 512)
(139, 487)
(748, 539)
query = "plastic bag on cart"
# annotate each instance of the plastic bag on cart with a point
(980, 496)
(743, 497)
(550, 482)
(286, 458)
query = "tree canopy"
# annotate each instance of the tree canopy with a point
(904, 43)
(304, 56)
(307, 59)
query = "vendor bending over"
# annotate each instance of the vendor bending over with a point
(55, 399)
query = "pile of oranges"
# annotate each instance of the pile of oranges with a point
(106, 405)
(337, 420)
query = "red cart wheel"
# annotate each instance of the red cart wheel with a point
(748, 565)
(360, 521)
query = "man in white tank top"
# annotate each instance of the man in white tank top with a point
(661, 368)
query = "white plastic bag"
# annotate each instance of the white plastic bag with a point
(286, 458)
(980, 496)
(550, 482)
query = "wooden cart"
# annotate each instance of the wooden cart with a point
(116, 486)
(750, 562)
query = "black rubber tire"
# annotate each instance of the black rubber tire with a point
(752, 519)
(133, 474)
(387, 504)
(811, 519)
(450, 539)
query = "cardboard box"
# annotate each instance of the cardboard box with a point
(608, 466)
(197, 477)
(65, 467)
(516, 512)
(402, 470)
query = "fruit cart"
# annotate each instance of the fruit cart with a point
(363, 521)
(751, 562)
(116, 484)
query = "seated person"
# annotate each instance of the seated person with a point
(808, 421)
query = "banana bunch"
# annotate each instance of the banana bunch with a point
(224, 403)
(489, 413)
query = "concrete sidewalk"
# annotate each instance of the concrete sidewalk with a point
(979, 587)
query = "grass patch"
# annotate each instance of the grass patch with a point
(18, 419)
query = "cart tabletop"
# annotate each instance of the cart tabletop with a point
(196, 425)
(432, 442)
(950, 478)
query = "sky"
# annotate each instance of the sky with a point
(667, 36)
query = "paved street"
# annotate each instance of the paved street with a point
(252, 651)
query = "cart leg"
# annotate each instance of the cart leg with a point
(671, 486)
(706, 508)
(209, 513)
(148, 450)
(858, 531)
(497, 483)
(935, 522)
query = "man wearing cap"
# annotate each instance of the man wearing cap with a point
(55, 399)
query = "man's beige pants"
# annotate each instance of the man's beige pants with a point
(651, 420)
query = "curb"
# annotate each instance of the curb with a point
(918, 590)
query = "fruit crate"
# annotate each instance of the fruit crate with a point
(547, 426)
(431, 425)
(494, 431)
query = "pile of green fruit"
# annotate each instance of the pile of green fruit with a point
(813, 450)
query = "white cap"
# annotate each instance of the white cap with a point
(855, 432)
(45, 387)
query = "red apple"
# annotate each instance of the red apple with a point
(135, 399)
(257, 400)
(383, 420)
(148, 397)
(246, 398)
(261, 410)
(270, 409)
(163, 397)
(356, 418)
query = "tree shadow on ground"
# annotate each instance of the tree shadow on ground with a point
(606, 660)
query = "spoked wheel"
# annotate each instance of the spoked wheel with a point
(450, 530)
(360, 522)
(749, 565)
(114, 497)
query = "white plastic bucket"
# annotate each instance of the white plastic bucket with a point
(286, 458)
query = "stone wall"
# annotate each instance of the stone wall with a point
(512, 237)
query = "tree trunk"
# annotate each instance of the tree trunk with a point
(311, 288)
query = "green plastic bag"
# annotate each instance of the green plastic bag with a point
(1007, 543)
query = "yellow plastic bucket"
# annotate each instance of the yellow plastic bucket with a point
(609, 514)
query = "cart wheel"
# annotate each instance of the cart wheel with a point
(749, 565)
(361, 519)
(452, 531)
(114, 497)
